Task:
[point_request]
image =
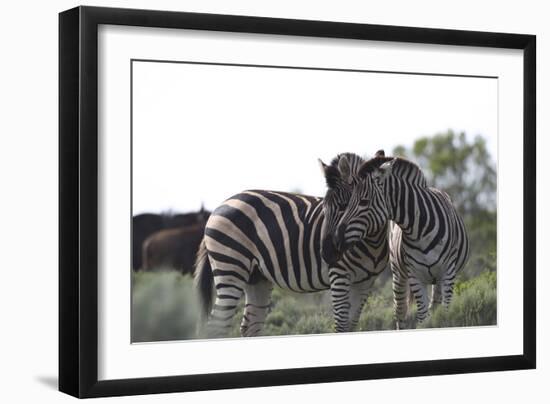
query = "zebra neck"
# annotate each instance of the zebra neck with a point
(315, 214)
(376, 239)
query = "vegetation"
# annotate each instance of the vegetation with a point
(164, 309)
(164, 304)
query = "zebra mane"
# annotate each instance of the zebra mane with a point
(409, 170)
(333, 174)
(400, 166)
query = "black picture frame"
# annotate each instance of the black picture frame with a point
(78, 201)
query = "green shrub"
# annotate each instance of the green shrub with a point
(474, 304)
(164, 307)
(295, 313)
(377, 313)
(318, 323)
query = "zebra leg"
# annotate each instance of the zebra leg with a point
(447, 291)
(418, 289)
(340, 294)
(437, 296)
(400, 297)
(359, 293)
(257, 305)
(229, 290)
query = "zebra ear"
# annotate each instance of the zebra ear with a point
(374, 164)
(383, 171)
(323, 166)
(380, 153)
(331, 173)
(344, 168)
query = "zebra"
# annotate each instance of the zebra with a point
(258, 238)
(428, 242)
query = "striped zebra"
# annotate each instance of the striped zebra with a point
(428, 242)
(257, 239)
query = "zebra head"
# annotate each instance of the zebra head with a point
(341, 175)
(366, 212)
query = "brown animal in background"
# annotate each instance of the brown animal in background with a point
(146, 224)
(173, 248)
(143, 226)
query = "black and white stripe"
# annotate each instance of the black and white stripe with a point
(428, 243)
(258, 238)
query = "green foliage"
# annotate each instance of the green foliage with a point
(164, 306)
(487, 278)
(294, 313)
(474, 304)
(164, 309)
(377, 314)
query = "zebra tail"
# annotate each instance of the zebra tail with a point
(146, 255)
(410, 297)
(204, 280)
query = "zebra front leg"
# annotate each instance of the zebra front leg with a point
(400, 297)
(418, 289)
(340, 295)
(359, 293)
(257, 305)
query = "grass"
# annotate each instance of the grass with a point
(164, 307)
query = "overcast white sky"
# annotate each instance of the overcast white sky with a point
(203, 133)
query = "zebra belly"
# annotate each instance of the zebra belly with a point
(365, 269)
(428, 267)
(425, 274)
(425, 267)
(302, 288)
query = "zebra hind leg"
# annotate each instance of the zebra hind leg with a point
(257, 306)
(447, 292)
(419, 291)
(229, 290)
(437, 296)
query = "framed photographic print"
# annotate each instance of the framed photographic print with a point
(250, 201)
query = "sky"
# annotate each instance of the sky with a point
(204, 133)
